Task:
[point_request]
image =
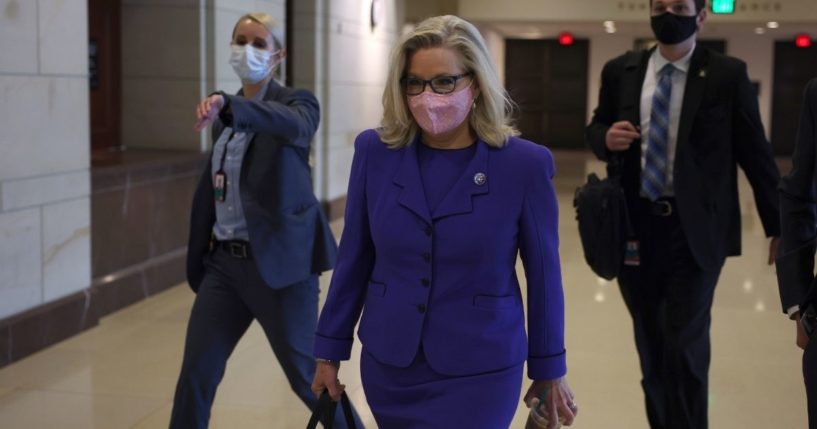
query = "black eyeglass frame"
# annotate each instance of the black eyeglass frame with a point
(430, 82)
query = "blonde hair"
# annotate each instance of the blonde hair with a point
(270, 23)
(491, 117)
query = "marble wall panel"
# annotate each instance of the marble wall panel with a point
(20, 261)
(66, 248)
(63, 37)
(36, 191)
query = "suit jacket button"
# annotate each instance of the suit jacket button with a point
(429, 231)
(426, 282)
(421, 308)
(427, 257)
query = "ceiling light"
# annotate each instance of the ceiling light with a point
(773, 24)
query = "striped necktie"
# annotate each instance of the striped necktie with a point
(654, 174)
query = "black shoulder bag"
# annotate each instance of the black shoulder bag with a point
(601, 208)
(604, 224)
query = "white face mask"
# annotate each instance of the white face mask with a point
(252, 65)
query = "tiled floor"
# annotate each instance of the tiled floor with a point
(121, 374)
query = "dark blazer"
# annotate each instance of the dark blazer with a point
(289, 234)
(798, 205)
(719, 129)
(447, 281)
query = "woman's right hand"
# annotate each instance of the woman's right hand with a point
(621, 135)
(207, 111)
(326, 378)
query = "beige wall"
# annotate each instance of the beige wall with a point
(160, 73)
(496, 45)
(341, 59)
(44, 152)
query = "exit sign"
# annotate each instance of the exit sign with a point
(726, 7)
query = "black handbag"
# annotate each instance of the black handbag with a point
(325, 409)
(604, 223)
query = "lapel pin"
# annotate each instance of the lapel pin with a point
(702, 73)
(480, 178)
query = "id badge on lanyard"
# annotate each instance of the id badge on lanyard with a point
(220, 186)
(220, 178)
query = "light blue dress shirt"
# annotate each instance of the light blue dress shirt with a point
(230, 221)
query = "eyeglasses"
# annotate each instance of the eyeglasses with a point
(440, 85)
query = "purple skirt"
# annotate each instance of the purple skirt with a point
(419, 397)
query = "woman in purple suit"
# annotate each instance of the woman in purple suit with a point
(441, 199)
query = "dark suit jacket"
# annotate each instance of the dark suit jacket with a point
(719, 129)
(798, 202)
(447, 281)
(289, 235)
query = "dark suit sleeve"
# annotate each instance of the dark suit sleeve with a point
(606, 112)
(202, 219)
(795, 265)
(539, 251)
(355, 261)
(754, 153)
(294, 117)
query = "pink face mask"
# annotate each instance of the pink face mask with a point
(440, 113)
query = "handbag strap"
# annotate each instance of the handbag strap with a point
(629, 88)
(326, 408)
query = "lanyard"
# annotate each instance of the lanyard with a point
(220, 178)
(224, 153)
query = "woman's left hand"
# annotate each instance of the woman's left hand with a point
(558, 406)
(207, 111)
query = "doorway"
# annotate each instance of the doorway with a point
(104, 69)
(793, 68)
(548, 81)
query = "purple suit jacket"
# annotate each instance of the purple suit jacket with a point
(448, 282)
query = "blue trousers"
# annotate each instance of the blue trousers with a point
(231, 295)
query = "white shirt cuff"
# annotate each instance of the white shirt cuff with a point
(792, 310)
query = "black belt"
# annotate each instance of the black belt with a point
(236, 248)
(662, 207)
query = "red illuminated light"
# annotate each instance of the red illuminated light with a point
(802, 41)
(566, 39)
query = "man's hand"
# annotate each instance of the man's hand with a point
(621, 135)
(802, 338)
(773, 249)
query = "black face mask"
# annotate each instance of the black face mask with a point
(671, 29)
